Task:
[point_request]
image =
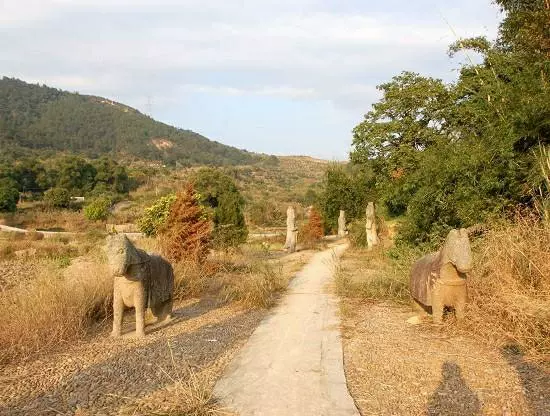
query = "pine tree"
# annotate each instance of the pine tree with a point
(313, 230)
(186, 233)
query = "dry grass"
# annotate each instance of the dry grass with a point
(35, 217)
(509, 288)
(189, 395)
(257, 286)
(189, 392)
(371, 275)
(52, 311)
(66, 297)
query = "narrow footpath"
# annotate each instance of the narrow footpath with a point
(293, 362)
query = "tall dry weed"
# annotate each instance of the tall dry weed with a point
(257, 287)
(52, 310)
(509, 288)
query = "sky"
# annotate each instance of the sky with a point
(285, 77)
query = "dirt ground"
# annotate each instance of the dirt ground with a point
(395, 368)
(173, 368)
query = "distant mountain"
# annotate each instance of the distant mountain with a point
(39, 119)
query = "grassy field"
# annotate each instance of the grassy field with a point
(509, 287)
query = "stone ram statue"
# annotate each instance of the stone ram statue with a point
(291, 230)
(141, 280)
(439, 279)
(370, 227)
(342, 229)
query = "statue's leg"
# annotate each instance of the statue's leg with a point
(118, 310)
(459, 311)
(139, 304)
(162, 311)
(460, 303)
(437, 309)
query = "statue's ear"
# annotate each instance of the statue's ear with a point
(137, 262)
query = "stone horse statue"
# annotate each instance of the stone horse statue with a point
(439, 279)
(141, 280)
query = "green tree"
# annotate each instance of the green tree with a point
(348, 188)
(57, 197)
(155, 216)
(97, 209)
(9, 195)
(219, 193)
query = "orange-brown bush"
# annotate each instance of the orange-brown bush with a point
(186, 233)
(509, 288)
(312, 231)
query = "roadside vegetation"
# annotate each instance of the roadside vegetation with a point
(436, 156)
(58, 290)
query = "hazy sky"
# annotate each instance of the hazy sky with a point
(272, 76)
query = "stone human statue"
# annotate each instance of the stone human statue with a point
(372, 232)
(291, 230)
(342, 229)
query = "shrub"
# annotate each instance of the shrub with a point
(312, 231)
(57, 197)
(97, 209)
(155, 216)
(9, 196)
(219, 193)
(185, 234)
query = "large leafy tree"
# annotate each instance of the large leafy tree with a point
(453, 155)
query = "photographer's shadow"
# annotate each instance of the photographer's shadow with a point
(453, 397)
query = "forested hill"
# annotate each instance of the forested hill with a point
(47, 119)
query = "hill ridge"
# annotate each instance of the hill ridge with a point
(40, 119)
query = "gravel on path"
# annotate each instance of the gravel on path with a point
(104, 374)
(395, 368)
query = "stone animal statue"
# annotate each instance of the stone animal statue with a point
(291, 230)
(371, 230)
(439, 279)
(342, 229)
(141, 280)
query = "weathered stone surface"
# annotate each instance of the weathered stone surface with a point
(291, 230)
(371, 229)
(141, 280)
(439, 279)
(342, 228)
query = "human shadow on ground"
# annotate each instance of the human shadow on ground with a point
(535, 381)
(453, 397)
(103, 387)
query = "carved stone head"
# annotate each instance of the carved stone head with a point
(457, 251)
(121, 254)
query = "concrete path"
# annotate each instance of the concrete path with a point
(292, 364)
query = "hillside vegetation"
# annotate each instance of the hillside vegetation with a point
(45, 120)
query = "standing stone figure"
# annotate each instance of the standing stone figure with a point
(291, 230)
(439, 279)
(372, 233)
(141, 280)
(342, 229)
